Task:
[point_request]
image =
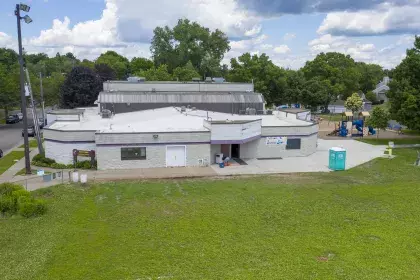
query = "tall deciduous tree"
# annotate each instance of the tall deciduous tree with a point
(379, 119)
(338, 68)
(189, 41)
(370, 75)
(119, 63)
(404, 93)
(156, 74)
(140, 64)
(269, 79)
(81, 88)
(186, 73)
(354, 103)
(105, 72)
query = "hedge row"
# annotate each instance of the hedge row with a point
(42, 161)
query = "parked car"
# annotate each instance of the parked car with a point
(31, 131)
(12, 119)
(41, 122)
(20, 115)
(1, 153)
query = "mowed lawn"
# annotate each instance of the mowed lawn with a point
(359, 224)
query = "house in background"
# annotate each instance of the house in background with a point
(381, 89)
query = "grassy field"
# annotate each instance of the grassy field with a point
(331, 117)
(403, 141)
(359, 224)
(8, 160)
(32, 144)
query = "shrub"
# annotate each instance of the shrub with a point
(41, 159)
(8, 188)
(59, 166)
(31, 207)
(13, 199)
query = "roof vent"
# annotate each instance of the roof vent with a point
(106, 114)
(219, 80)
(269, 112)
(153, 90)
(197, 80)
(208, 80)
(193, 109)
(183, 109)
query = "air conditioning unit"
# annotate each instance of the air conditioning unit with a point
(208, 80)
(183, 109)
(106, 114)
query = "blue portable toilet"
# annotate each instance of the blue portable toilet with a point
(337, 160)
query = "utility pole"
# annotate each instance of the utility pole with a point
(34, 115)
(42, 100)
(22, 91)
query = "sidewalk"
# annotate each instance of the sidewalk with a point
(9, 174)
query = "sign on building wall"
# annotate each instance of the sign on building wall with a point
(276, 141)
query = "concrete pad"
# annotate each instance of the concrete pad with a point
(357, 153)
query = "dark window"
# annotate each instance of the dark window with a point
(293, 144)
(133, 153)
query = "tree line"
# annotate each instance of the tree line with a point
(190, 50)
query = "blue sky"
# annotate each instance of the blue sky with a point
(290, 32)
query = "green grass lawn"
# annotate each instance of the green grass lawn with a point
(331, 117)
(359, 224)
(411, 132)
(32, 144)
(8, 160)
(404, 141)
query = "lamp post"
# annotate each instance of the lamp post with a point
(27, 19)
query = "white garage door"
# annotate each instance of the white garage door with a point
(175, 156)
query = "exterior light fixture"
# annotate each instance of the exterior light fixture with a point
(27, 19)
(24, 7)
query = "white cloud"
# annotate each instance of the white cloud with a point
(289, 36)
(6, 41)
(137, 19)
(385, 19)
(282, 49)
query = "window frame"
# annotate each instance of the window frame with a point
(125, 150)
(290, 147)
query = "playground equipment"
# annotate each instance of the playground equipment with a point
(345, 127)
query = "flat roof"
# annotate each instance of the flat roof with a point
(169, 119)
(294, 110)
(67, 112)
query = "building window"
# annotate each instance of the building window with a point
(293, 144)
(133, 153)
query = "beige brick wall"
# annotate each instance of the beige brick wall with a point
(109, 157)
(137, 138)
(63, 152)
(308, 147)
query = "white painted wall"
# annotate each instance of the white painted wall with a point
(51, 118)
(221, 132)
(308, 147)
(305, 116)
(290, 130)
(62, 135)
(63, 152)
(214, 149)
(249, 150)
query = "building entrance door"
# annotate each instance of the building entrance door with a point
(236, 151)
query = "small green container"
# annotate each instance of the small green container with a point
(337, 159)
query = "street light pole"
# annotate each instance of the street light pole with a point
(22, 94)
(42, 99)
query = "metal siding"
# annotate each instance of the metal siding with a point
(176, 87)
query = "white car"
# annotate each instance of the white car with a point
(20, 115)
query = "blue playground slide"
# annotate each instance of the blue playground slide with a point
(372, 131)
(359, 125)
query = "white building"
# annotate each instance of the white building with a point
(170, 137)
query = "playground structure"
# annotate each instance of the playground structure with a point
(346, 126)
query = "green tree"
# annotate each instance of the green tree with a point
(140, 63)
(186, 73)
(9, 87)
(371, 97)
(156, 74)
(379, 119)
(269, 79)
(105, 72)
(354, 103)
(81, 88)
(370, 75)
(404, 93)
(88, 63)
(338, 68)
(315, 93)
(189, 41)
(119, 63)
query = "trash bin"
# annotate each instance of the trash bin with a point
(337, 159)
(219, 158)
(222, 165)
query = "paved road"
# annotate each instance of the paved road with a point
(11, 134)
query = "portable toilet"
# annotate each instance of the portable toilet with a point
(337, 159)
